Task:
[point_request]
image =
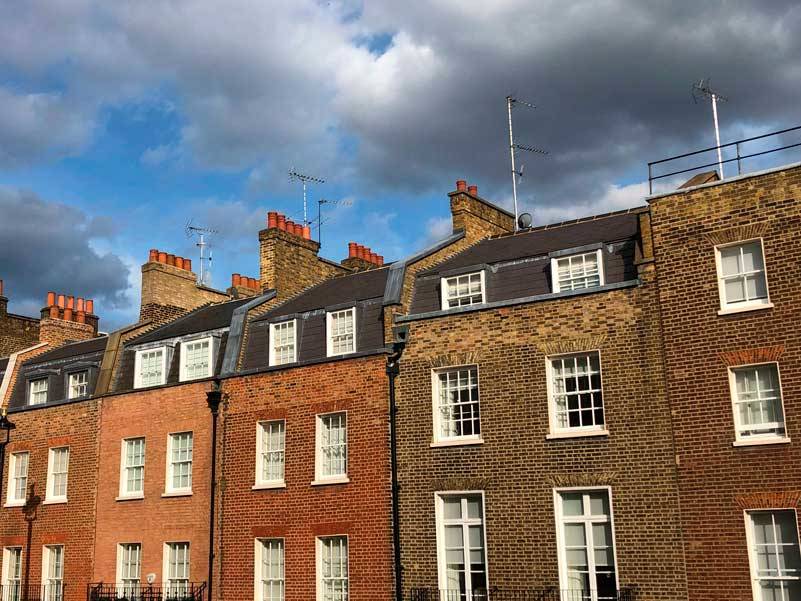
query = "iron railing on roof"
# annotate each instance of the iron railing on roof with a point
(190, 591)
(15, 591)
(534, 594)
(739, 156)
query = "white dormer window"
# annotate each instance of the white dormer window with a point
(38, 392)
(463, 290)
(283, 343)
(341, 328)
(150, 367)
(579, 271)
(196, 359)
(78, 384)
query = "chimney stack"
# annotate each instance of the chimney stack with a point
(475, 216)
(361, 258)
(67, 319)
(242, 285)
(3, 300)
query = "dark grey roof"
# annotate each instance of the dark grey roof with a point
(204, 319)
(74, 349)
(339, 290)
(611, 227)
(3, 363)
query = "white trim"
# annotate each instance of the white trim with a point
(318, 560)
(579, 433)
(120, 551)
(560, 545)
(319, 478)
(731, 308)
(5, 581)
(568, 432)
(138, 366)
(11, 369)
(11, 500)
(760, 439)
(328, 340)
(258, 558)
(749, 539)
(75, 374)
(51, 498)
(760, 442)
(443, 288)
(123, 493)
(436, 438)
(260, 483)
(169, 490)
(555, 269)
(165, 571)
(271, 341)
(182, 365)
(46, 551)
(457, 442)
(31, 392)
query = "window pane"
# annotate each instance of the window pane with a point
(334, 568)
(283, 350)
(342, 335)
(758, 410)
(333, 444)
(463, 290)
(743, 273)
(577, 272)
(775, 553)
(576, 395)
(463, 555)
(197, 359)
(273, 441)
(151, 371)
(458, 403)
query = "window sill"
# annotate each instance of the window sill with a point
(580, 434)
(177, 493)
(744, 309)
(269, 485)
(54, 502)
(130, 497)
(15, 504)
(325, 481)
(760, 441)
(458, 442)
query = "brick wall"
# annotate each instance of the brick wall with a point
(70, 524)
(16, 332)
(300, 512)
(477, 217)
(155, 519)
(517, 467)
(717, 480)
(169, 292)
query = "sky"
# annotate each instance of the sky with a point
(122, 121)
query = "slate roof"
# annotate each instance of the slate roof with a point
(73, 349)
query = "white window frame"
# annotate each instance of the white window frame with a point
(319, 564)
(727, 308)
(32, 392)
(11, 499)
(50, 496)
(555, 269)
(560, 543)
(121, 580)
(740, 440)
(52, 591)
(138, 367)
(438, 438)
(169, 489)
(71, 386)
(166, 564)
(569, 432)
(124, 493)
(276, 326)
(442, 571)
(750, 541)
(182, 370)
(319, 478)
(7, 581)
(261, 428)
(446, 301)
(258, 583)
(329, 316)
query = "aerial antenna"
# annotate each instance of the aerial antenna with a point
(703, 91)
(295, 176)
(510, 103)
(192, 231)
(320, 203)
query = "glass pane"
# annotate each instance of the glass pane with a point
(474, 507)
(752, 256)
(452, 508)
(755, 285)
(575, 535)
(572, 504)
(730, 260)
(576, 558)
(599, 503)
(453, 536)
(735, 290)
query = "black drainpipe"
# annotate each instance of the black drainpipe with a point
(213, 398)
(393, 369)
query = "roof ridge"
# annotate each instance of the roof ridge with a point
(178, 319)
(577, 220)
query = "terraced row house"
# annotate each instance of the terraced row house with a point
(601, 409)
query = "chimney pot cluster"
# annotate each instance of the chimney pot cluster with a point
(69, 308)
(157, 256)
(276, 220)
(364, 252)
(243, 280)
(461, 186)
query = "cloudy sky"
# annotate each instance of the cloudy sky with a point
(119, 121)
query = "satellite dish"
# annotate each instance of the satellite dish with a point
(524, 221)
(151, 578)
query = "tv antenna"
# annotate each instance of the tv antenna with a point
(193, 231)
(295, 176)
(703, 90)
(511, 102)
(320, 203)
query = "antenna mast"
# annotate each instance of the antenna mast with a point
(510, 103)
(702, 89)
(320, 203)
(204, 278)
(304, 179)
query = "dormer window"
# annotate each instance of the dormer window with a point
(77, 384)
(150, 367)
(37, 394)
(283, 343)
(579, 271)
(463, 290)
(196, 359)
(341, 327)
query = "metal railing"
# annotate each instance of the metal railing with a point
(739, 156)
(100, 591)
(33, 592)
(540, 594)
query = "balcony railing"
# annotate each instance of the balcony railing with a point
(191, 591)
(33, 592)
(541, 594)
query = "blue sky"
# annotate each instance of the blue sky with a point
(121, 121)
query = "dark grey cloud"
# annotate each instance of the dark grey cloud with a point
(46, 246)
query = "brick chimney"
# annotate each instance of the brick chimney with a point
(67, 319)
(242, 286)
(478, 218)
(288, 260)
(3, 301)
(16, 331)
(170, 288)
(361, 258)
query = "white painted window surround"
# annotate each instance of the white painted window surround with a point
(341, 332)
(742, 277)
(463, 290)
(283, 342)
(461, 544)
(197, 359)
(150, 367)
(269, 570)
(774, 554)
(579, 271)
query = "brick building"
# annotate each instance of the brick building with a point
(16, 331)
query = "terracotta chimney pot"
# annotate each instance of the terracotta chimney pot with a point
(51, 299)
(79, 305)
(70, 302)
(171, 260)
(236, 279)
(281, 221)
(153, 257)
(162, 257)
(473, 190)
(380, 259)
(188, 264)
(61, 301)
(179, 262)
(68, 314)
(461, 185)
(307, 232)
(80, 316)
(90, 306)
(272, 219)
(1, 287)
(351, 249)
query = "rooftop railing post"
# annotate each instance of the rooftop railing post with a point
(650, 180)
(739, 164)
